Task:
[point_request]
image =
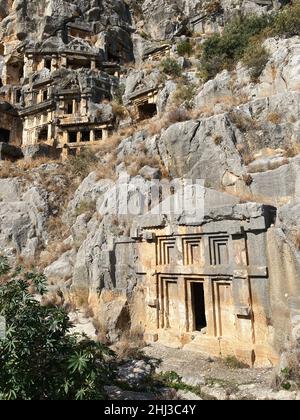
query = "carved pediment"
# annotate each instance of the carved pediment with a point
(70, 84)
(79, 45)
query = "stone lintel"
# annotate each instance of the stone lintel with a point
(142, 92)
(220, 271)
(41, 82)
(34, 109)
(156, 49)
(80, 26)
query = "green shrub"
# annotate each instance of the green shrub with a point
(170, 67)
(185, 48)
(287, 22)
(4, 266)
(119, 92)
(223, 51)
(243, 38)
(255, 58)
(39, 358)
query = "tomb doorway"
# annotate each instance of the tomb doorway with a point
(147, 111)
(4, 135)
(198, 305)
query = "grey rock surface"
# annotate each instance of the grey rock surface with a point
(203, 149)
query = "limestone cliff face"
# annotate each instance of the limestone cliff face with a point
(40, 19)
(239, 135)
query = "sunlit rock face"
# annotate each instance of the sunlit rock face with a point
(88, 76)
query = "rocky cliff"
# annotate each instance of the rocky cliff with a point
(184, 107)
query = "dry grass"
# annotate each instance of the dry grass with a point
(275, 118)
(173, 116)
(119, 110)
(296, 239)
(176, 115)
(243, 122)
(53, 251)
(217, 139)
(135, 162)
(233, 363)
(221, 104)
(28, 263)
(156, 126)
(53, 299)
(86, 207)
(88, 311)
(289, 377)
(58, 232)
(245, 153)
(22, 167)
(293, 150)
(29, 164)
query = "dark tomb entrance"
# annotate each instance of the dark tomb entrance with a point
(198, 301)
(147, 111)
(4, 135)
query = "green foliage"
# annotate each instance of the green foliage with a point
(172, 380)
(243, 38)
(119, 92)
(233, 363)
(223, 51)
(289, 377)
(185, 48)
(170, 67)
(4, 266)
(39, 358)
(255, 58)
(287, 22)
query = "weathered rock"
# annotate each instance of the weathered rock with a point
(280, 184)
(10, 152)
(61, 269)
(113, 315)
(204, 149)
(150, 173)
(23, 218)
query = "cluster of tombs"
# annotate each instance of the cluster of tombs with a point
(57, 90)
(54, 88)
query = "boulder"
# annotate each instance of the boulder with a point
(204, 149)
(61, 269)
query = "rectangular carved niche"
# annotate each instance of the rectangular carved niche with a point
(219, 252)
(168, 297)
(224, 310)
(192, 250)
(166, 251)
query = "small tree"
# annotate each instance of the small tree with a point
(184, 48)
(39, 358)
(170, 67)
